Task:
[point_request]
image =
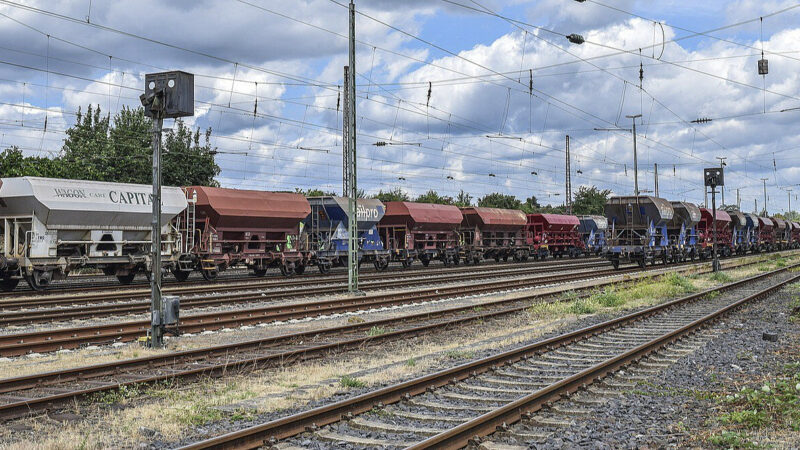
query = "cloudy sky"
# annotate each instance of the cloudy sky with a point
(473, 95)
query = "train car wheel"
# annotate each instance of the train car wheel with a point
(381, 264)
(615, 263)
(259, 272)
(425, 261)
(324, 268)
(38, 280)
(9, 284)
(210, 274)
(126, 279)
(286, 270)
(300, 269)
(642, 262)
(109, 271)
(181, 275)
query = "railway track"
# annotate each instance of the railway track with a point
(43, 341)
(246, 279)
(457, 406)
(69, 338)
(28, 311)
(23, 395)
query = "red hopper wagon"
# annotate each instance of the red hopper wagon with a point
(421, 231)
(554, 234)
(224, 227)
(705, 232)
(766, 235)
(493, 233)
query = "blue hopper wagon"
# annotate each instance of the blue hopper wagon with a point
(638, 229)
(593, 232)
(327, 228)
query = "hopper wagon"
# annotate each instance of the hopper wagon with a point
(637, 229)
(795, 235)
(553, 234)
(328, 235)
(705, 230)
(225, 227)
(492, 233)
(682, 231)
(51, 227)
(766, 235)
(741, 229)
(593, 233)
(755, 231)
(423, 231)
(783, 233)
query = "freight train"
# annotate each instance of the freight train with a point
(51, 228)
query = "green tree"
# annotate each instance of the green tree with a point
(550, 209)
(531, 205)
(395, 195)
(498, 200)
(186, 161)
(590, 200)
(433, 197)
(314, 192)
(131, 139)
(97, 148)
(14, 164)
(463, 199)
(87, 152)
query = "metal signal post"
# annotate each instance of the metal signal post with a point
(167, 95)
(713, 178)
(157, 331)
(349, 175)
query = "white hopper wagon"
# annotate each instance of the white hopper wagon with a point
(50, 227)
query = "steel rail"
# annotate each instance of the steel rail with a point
(233, 290)
(270, 432)
(70, 338)
(255, 354)
(67, 338)
(30, 316)
(252, 280)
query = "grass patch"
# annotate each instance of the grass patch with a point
(583, 306)
(773, 405)
(351, 382)
(120, 395)
(721, 277)
(608, 298)
(376, 331)
(198, 414)
(764, 267)
(776, 403)
(411, 362)
(730, 439)
(748, 418)
(355, 319)
(459, 354)
(680, 282)
(547, 310)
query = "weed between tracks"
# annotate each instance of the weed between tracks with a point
(774, 405)
(649, 291)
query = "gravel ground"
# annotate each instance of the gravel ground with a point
(678, 406)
